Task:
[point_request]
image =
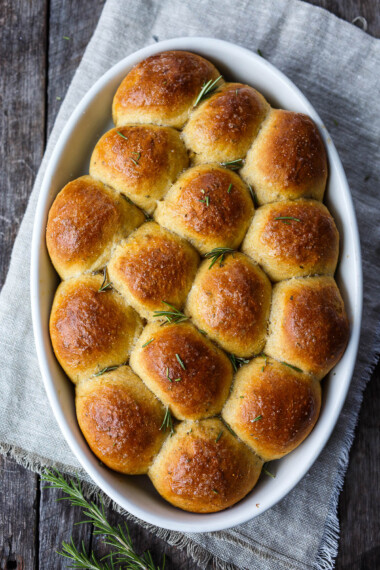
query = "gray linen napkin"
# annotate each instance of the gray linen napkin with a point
(337, 67)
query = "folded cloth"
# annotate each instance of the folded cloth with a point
(337, 67)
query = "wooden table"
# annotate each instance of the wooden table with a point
(37, 63)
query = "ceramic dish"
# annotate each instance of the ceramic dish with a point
(70, 159)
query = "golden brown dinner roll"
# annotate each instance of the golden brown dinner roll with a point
(287, 159)
(203, 468)
(308, 324)
(120, 419)
(209, 205)
(223, 127)
(184, 368)
(293, 239)
(162, 89)
(231, 301)
(140, 161)
(91, 329)
(272, 407)
(153, 266)
(85, 221)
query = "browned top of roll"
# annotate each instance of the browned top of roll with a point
(120, 419)
(91, 330)
(224, 126)
(162, 88)
(203, 468)
(184, 368)
(152, 266)
(209, 205)
(84, 221)
(272, 407)
(230, 301)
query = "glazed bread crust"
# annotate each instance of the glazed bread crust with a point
(208, 205)
(231, 302)
(162, 89)
(87, 219)
(287, 159)
(272, 407)
(140, 161)
(224, 126)
(308, 324)
(90, 329)
(120, 419)
(293, 239)
(203, 468)
(153, 266)
(184, 368)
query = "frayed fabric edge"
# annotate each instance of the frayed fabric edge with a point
(328, 549)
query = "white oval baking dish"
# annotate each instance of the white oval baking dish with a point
(70, 159)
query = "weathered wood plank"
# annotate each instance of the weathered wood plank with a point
(18, 517)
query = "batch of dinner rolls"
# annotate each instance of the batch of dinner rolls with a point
(198, 310)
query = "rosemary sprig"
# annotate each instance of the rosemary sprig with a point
(105, 286)
(136, 161)
(180, 362)
(233, 164)
(117, 537)
(218, 253)
(205, 200)
(285, 219)
(253, 196)
(106, 369)
(293, 367)
(208, 89)
(168, 422)
(173, 316)
(121, 135)
(237, 361)
(146, 344)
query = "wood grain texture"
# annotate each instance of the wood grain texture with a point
(32, 524)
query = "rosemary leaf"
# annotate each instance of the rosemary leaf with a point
(106, 369)
(257, 418)
(146, 344)
(219, 436)
(167, 422)
(237, 361)
(229, 189)
(293, 367)
(173, 316)
(121, 135)
(268, 473)
(105, 286)
(233, 164)
(253, 196)
(260, 53)
(180, 362)
(208, 89)
(283, 218)
(218, 253)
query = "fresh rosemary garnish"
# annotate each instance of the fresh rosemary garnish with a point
(262, 355)
(180, 362)
(335, 122)
(233, 164)
(106, 369)
(260, 53)
(105, 286)
(146, 344)
(173, 316)
(257, 418)
(229, 189)
(127, 199)
(208, 89)
(58, 98)
(237, 361)
(117, 537)
(268, 473)
(215, 491)
(171, 379)
(136, 162)
(253, 196)
(219, 436)
(218, 253)
(66, 38)
(168, 422)
(293, 367)
(286, 218)
(205, 200)
(121, 135)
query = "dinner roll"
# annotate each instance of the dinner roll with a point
(272, 407)
(223, 127)
(162, 89)
(120, 419)
(287, 159)
(308, 324)
(153, 266)
(209, 205)
(140, 161)
(85, 221)
(293, 239)
(203, 468)
(91, 329)
(184, 368)
(231, 301)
